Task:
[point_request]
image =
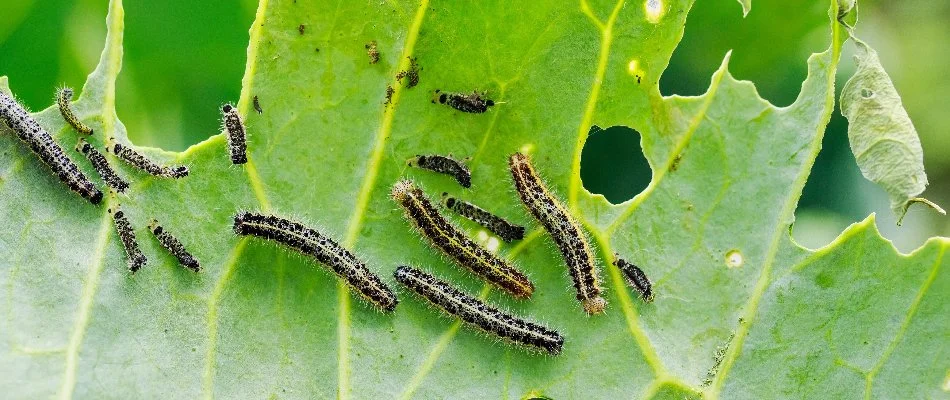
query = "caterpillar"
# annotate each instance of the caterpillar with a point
(310, 242)
(443, 235)
(174, 246)
(101, 165)
(126, 233)
(471, 103)
(64, 98)
(564, 230)
(478, 314)
(636, 278)
(257, 106)
(505, 230)
(444, 165)
(136, 159)
(237, 134)
(42, 144)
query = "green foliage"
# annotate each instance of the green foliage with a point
(771, 320)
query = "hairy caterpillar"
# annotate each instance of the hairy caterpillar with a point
(565, 231)
(137, 160)
(636, 278)
(101, 165)
(443, 235)
(257, 106)
(64, 98)
(127, 236)
(505, 230)
(310, 242)
(478, 314)
(444, 165)
(30, 132)
(174, 246)
(470, 103)
(237, 134)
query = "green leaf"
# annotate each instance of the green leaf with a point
(776, 320)
(882, 136)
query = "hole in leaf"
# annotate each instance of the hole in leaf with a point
(778, 71)
(175, 77)
(612, 163)
(734, 259)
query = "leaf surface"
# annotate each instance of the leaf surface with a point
(740, 311)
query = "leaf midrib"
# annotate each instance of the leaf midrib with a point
(109, 65)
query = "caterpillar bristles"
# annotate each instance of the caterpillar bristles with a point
(138, 160)
(445, 236)
(317, 245)
(564, 230)
(64, 97)
(42, 144)
(477, 313)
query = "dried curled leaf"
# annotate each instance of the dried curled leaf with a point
(882, 136)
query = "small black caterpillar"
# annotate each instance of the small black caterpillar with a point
(30, 132)
(470, 103)
(174, 246)
(565, 231)
(257, 106)
(444, 165)
(139, 161)
(310, 242)
(64, 98)
(127, 236)
(636, 278)
(101, 165)
(237, 134)
(505, 230)
(478, 314)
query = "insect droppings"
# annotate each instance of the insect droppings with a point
(389, 94)
(372, 52)
(411, 74)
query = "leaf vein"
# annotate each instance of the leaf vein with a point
(362, 201)
(899, 336)
(605, 42)
(89, 289)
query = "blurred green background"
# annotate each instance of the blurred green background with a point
(184, 58)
